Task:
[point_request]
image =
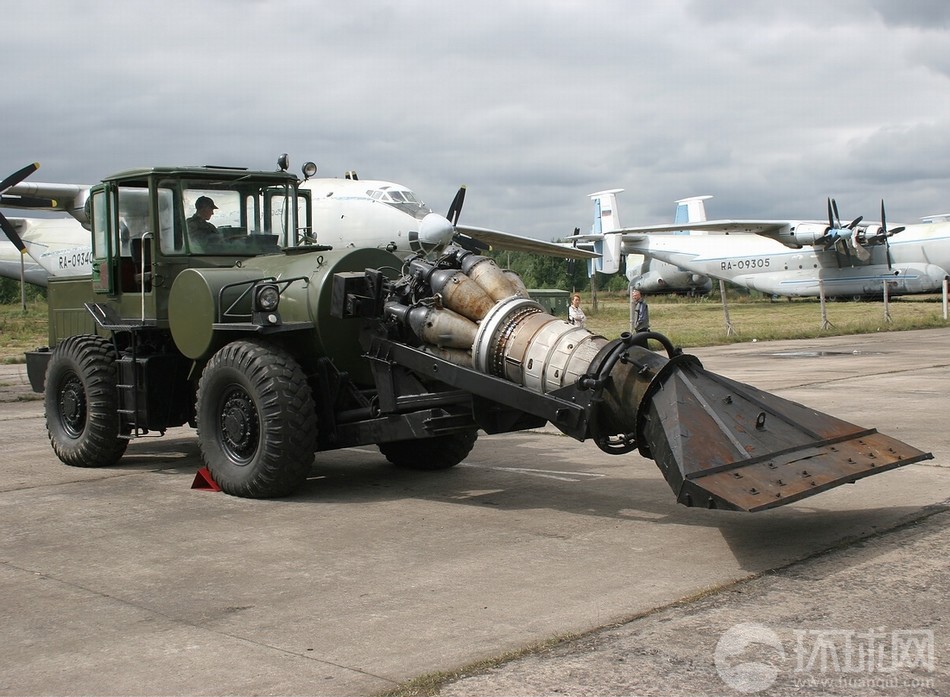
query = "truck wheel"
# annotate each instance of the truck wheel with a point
(82, 403)
(257, 423)
(429, 454)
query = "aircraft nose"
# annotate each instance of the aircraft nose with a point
(435, 231)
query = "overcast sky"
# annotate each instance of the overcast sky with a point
(533, 104)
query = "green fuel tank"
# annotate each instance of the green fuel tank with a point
(208, 307)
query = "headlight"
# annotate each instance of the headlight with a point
(267, 298)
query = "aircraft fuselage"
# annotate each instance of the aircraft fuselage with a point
(919, 261)
(368, 213)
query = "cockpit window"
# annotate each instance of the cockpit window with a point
(402, 199)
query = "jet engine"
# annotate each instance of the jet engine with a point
(719, 443)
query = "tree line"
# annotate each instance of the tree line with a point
(538, 271)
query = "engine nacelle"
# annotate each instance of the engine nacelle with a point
(802, 234)
(870, 234)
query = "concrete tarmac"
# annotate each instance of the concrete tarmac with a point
(127, 581)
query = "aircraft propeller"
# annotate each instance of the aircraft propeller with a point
(885, 233)
(11, 181)
(834, 221)
(842, 237)
(455, 210)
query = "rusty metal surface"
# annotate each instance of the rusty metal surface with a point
(723, 444)
(808, 471)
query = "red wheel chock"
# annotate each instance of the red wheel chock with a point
(204, 480)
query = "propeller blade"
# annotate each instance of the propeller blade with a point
(831, 218)
(887, 245)
(5, 224)
(834, 206)
(886, 232)
(841, 246)
(11, 233)
(859, 250)
(455, 209)
(471, 244)
(18, 176)
(854, 222)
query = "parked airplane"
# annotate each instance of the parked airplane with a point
(346, 212)
(370, 213)
(645, 273)
(799, 258)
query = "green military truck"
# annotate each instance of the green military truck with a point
(176, 326)
(276, 348)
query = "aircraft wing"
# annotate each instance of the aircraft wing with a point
(519, 243)
(68, 198)
(766, 228)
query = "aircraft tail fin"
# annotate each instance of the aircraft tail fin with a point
(691, 210)
(606, 221)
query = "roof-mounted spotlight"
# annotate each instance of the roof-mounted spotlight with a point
(283, 162)
(308, 169)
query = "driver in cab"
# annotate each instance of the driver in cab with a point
(199, 227)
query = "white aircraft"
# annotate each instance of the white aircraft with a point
(645, 273)
(346, 212)
(351, 212)
(800, 258)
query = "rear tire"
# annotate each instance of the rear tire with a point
(257, 425)
(430, 454)
(82, 403)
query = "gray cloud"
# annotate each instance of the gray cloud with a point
(771, 107)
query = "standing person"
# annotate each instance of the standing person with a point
(575, 315)
(641, 313)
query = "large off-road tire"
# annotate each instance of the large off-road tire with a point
(82, 403)
(257, 424)
(429, 454)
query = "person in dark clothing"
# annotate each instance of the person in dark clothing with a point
(199, 227)
(641, 312)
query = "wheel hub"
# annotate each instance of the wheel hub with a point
(239, 425)
(72, 406)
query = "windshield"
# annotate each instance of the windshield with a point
(234, 218)
(402, 199)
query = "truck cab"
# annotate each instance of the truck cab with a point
(146, 229)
